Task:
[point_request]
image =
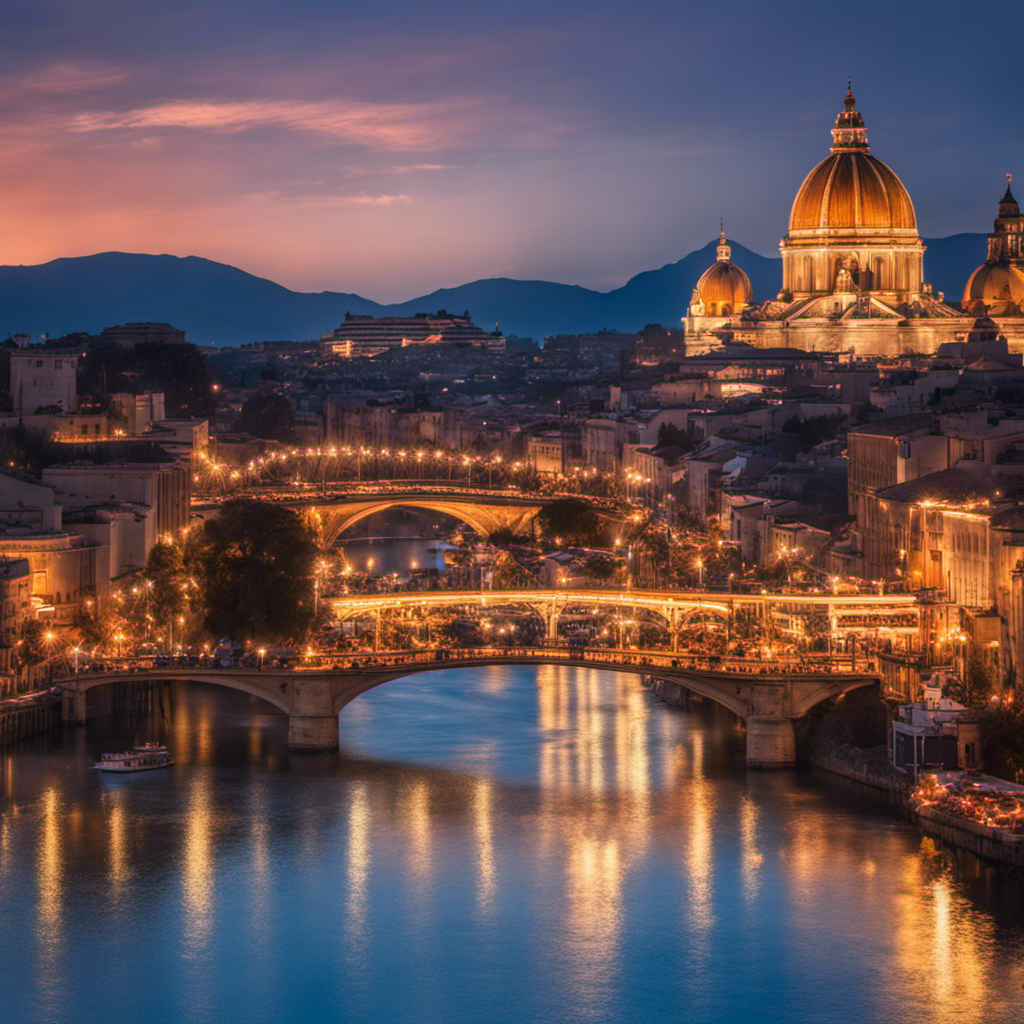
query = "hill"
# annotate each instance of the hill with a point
(221, 305)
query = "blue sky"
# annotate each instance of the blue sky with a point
(390, 148)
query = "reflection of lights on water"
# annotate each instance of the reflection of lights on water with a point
(117, 830)
(593, 921)
(417, 813)
(483, 829)
(358, 863)
(751, 858)
(197, 880)
(49, 917)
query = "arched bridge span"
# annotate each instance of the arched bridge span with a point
(484, 513)
(313, 699)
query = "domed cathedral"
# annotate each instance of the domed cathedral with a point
(723, 289)
(852, 223)
(996, 288)
(852, 262)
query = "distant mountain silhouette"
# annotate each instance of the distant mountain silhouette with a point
(221, 305)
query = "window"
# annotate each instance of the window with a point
(57, 364)
(39, 363)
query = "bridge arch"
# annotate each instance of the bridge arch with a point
(226, 679)
(334, 520)
(720, 694)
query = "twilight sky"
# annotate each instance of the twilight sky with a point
(395, 146)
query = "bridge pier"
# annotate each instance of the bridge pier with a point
(771, 742)
(73, 708)
(313, 722)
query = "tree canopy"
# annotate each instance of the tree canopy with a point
(256, 560)
(268, 415)
(178, 369)
(571, 521)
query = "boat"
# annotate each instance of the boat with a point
(145, 758)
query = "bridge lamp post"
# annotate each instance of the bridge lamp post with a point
(700, 573)
(262, 652)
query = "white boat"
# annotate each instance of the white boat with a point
(145, 758)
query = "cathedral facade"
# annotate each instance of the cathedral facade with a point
(852, 267)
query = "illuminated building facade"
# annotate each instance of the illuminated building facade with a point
(372, 335)
(852, 273)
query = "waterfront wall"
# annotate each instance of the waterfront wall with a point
(29, 718)
(991, 844)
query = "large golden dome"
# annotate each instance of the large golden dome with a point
(851, 190)
(852, 227)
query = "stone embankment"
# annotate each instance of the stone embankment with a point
(28, 715)
(872, 768)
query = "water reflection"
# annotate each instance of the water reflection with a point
(557, 826)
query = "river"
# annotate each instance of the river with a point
(517, 844)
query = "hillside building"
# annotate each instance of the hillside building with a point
(369, 336)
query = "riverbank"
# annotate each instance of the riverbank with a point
(29, 715)
(828, 739)
(824, 743)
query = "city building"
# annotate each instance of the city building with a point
(372, 335)
(134, 413)
(15, 598)
(935, 732)
(165, 487)
(39, 379)
(128, 335)
(547, 452)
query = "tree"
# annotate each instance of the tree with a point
(178, 369)
(509, 574)
(571, 521)
(165, 571)
(268, 415)
(256, 561)
(670, 434)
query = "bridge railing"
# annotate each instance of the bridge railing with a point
(348, 660)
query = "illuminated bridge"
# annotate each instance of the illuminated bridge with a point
(312, 697)
(485, 511)
(895, 617)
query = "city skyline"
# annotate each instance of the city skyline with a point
(395, 151)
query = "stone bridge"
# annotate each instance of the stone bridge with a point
(312, 699)
(484, 512)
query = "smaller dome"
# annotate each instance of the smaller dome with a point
(724, 289)
(998, 286)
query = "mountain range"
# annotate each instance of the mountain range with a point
(217, 304)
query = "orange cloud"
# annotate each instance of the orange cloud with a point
(401, 126)
(359, 198)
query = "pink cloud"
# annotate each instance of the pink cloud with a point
(72, 78)
(359, 198)
(401, 126)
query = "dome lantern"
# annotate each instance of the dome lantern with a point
(849, 132)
